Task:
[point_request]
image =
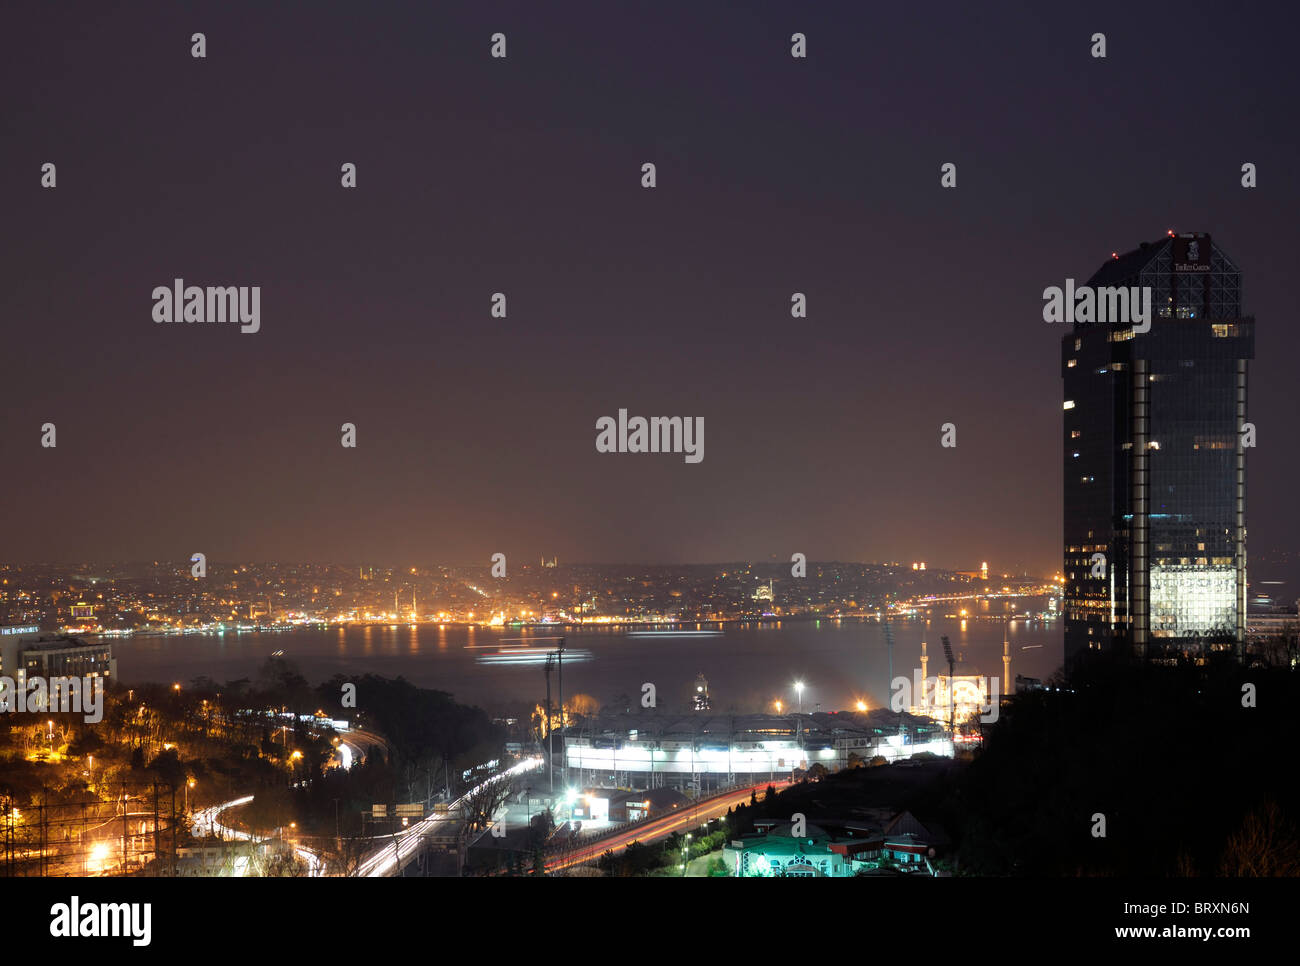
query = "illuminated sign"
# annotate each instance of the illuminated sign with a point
(1192, 253)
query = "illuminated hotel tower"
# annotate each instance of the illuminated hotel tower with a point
(1155, 466)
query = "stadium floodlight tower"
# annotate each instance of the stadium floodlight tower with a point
(952, 699)
(554, 658)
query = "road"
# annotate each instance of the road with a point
(208, 821)
(680, 820)
(358, 741)
(399, 849)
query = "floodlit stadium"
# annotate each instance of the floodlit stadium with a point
(650, 749)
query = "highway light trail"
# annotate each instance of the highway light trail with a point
(389, 859)
(679, 820)
(208, 820)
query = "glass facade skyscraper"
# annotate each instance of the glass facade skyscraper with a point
(1155, 438)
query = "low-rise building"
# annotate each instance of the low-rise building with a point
(26, 652)
(835, 848)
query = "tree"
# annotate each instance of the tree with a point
(1265, 845)
(167, 765)
(353, 849)
(481, 803)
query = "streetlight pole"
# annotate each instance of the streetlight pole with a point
(798, 688)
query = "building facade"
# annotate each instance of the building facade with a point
(1155, 438)
(26, 652)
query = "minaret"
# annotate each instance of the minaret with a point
(1006, 667)
(925, 674)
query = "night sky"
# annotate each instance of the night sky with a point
(478, 175)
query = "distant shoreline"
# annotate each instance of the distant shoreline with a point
(562, 626)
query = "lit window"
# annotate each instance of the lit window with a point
(1069, 404)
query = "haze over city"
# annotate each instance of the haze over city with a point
(475, 434)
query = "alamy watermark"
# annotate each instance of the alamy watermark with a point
(1105, 305)
(75, 919)
(216, 303)
(38, 695)
(658, 434)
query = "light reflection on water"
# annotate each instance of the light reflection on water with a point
(748, 666)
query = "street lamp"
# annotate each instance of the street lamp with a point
(798, 689)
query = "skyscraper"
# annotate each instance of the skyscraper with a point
(1155, 433)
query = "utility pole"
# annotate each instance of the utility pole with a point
(952, 694)
(124, 828)
(173, 856)
(559, 663)
(156, 857)
(45, 828)
(550, 742)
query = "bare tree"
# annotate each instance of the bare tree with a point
(482, 803)
(352, 852)
(1265, 845)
